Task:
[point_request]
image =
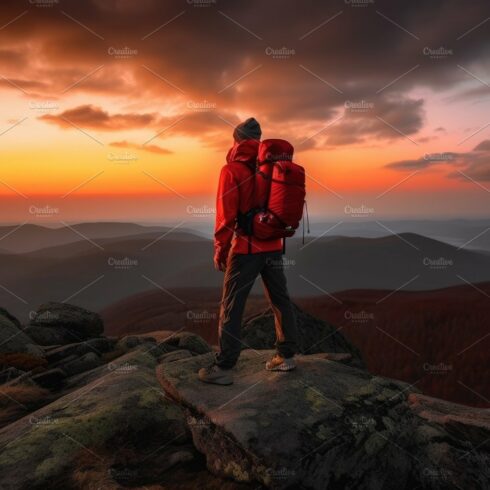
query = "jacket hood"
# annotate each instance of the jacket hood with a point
(274, 150)
(243, 151)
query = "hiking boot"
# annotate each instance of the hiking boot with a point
(279, 363)
(216, 375)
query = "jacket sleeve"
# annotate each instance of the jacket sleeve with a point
(227, 206)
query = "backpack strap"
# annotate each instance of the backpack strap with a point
(254, 175)
(244, 219)
(269, 178)
(266, 204)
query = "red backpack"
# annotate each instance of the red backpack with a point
(279, 193)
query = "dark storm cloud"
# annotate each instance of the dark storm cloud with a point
(291, 63)
(387, 118)
(201, 120)
(428, 160)
(474, 164)
(90, 117)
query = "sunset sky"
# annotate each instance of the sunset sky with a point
(124, 110)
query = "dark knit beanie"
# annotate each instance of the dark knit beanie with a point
(247, 130)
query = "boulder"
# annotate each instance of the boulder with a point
(328, 425)
(111, 433)
(130, 342)
(188, 341)
(52, 379)
(23, 379)
(80, 323)
(99, 346)
(451, 415)
(175, 356)
(48, 336)
(10, 374)
(64, 361)
(81, 364)
(13, 338)
(258, 332)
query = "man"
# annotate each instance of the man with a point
(243, 258)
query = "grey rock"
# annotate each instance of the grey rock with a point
(164, 348)
(328, 425)
(188, 341)
(84, 363)
(258, 332)
(175, 356)
(99, 345)
(13, 338)
(48, 336)
(11, 318)
(22, 379)
(130, 342)
(81, 323)
(10, 374)
(52, 379)
(120, 407)
(64, 361)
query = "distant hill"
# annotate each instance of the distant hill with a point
(473, 234)
(30, 237)
(96, 275)
(407, 260)
(98, 272)
(126, 242)
(390, 262)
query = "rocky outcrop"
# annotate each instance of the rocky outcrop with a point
(187, 341)
(258, 332)
(329, 425)
(91, 414)
(98, 345)
(13, 338)
(175, 356)
(10, 373)
(122, 407)
(51, 336)
(53, 324)
(52, 379)
(61, 323)
(130, 342)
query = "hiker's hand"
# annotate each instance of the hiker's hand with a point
(219, 265)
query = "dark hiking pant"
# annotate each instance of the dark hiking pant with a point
(241, 272)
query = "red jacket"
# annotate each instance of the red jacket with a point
(235, 194)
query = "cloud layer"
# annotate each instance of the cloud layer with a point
(474, 164)
(293, 65)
